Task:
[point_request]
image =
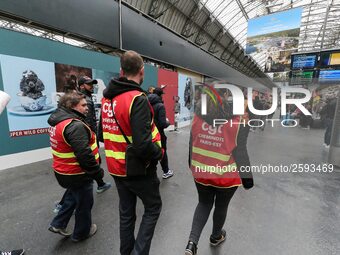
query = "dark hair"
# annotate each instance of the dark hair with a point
(131, 62)
(215, 110)
(71, 100)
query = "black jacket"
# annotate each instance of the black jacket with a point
(159, 112)
(90, 119)
(78, 136)
(328, 111)
(140, 120)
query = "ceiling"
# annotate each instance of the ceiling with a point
(220, 26)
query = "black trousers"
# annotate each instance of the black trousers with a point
(328, 132)
(207, 197)
(164, 162)
(147, 189)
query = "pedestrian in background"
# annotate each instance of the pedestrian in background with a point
(162, 123)
(86, 86)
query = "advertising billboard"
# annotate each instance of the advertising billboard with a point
(276, 36)
(35, 87)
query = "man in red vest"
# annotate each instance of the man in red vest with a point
(126, 103)
(75, 164)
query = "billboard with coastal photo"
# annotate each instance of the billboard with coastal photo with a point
(276, 36)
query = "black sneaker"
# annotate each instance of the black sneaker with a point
(14, 252)
(218, 241)
(103, 188)
(191, 248)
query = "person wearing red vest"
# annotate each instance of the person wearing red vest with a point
(75, 164)
(216, 155)
(131, 108)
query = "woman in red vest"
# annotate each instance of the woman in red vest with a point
(216, 155)
(75, 164)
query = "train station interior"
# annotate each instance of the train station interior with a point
(279, 56)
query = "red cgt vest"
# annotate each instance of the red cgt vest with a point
(212, 163)
(64, 159)
(114, 142)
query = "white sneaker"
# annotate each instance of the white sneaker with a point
(169, 174)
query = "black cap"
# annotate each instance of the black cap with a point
(86, 80)
(158, 91)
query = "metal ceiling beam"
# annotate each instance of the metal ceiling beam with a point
(154, 8)
(325, 24)
(245, 14)
(172, 4)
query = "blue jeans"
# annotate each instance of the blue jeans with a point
(81, 200)
(147, 189)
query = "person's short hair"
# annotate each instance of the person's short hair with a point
(151, 89)
(70, 100)
(131, 62)
(158, 91)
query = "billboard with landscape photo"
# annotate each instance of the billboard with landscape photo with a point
(275, 37)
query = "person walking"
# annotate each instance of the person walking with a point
(215, 159)
(329, 112)
(177, 110)
(127, 122)
(86, 87)
(75, 164)
(161, 122)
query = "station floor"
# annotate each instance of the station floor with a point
(285, 213)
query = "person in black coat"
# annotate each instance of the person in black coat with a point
(329, 112)
(86, 86)
(161, 122)
(78, 196)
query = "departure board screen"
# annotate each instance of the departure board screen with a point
(330, 59)
(329, 76)
(302, 77)
(305, 61)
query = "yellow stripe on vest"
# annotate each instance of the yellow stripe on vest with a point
(211, 154)
(115, 154)
(94, 146)
(219, 170)
(116, 138)
(154, 132)
(63, 155)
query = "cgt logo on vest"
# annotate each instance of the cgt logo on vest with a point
(211, 130)
(109, 109)
(239, 106)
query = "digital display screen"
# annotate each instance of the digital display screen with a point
(329, 76)
(335, 59)
(304, 61)
(301, 77)
(330, 59)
